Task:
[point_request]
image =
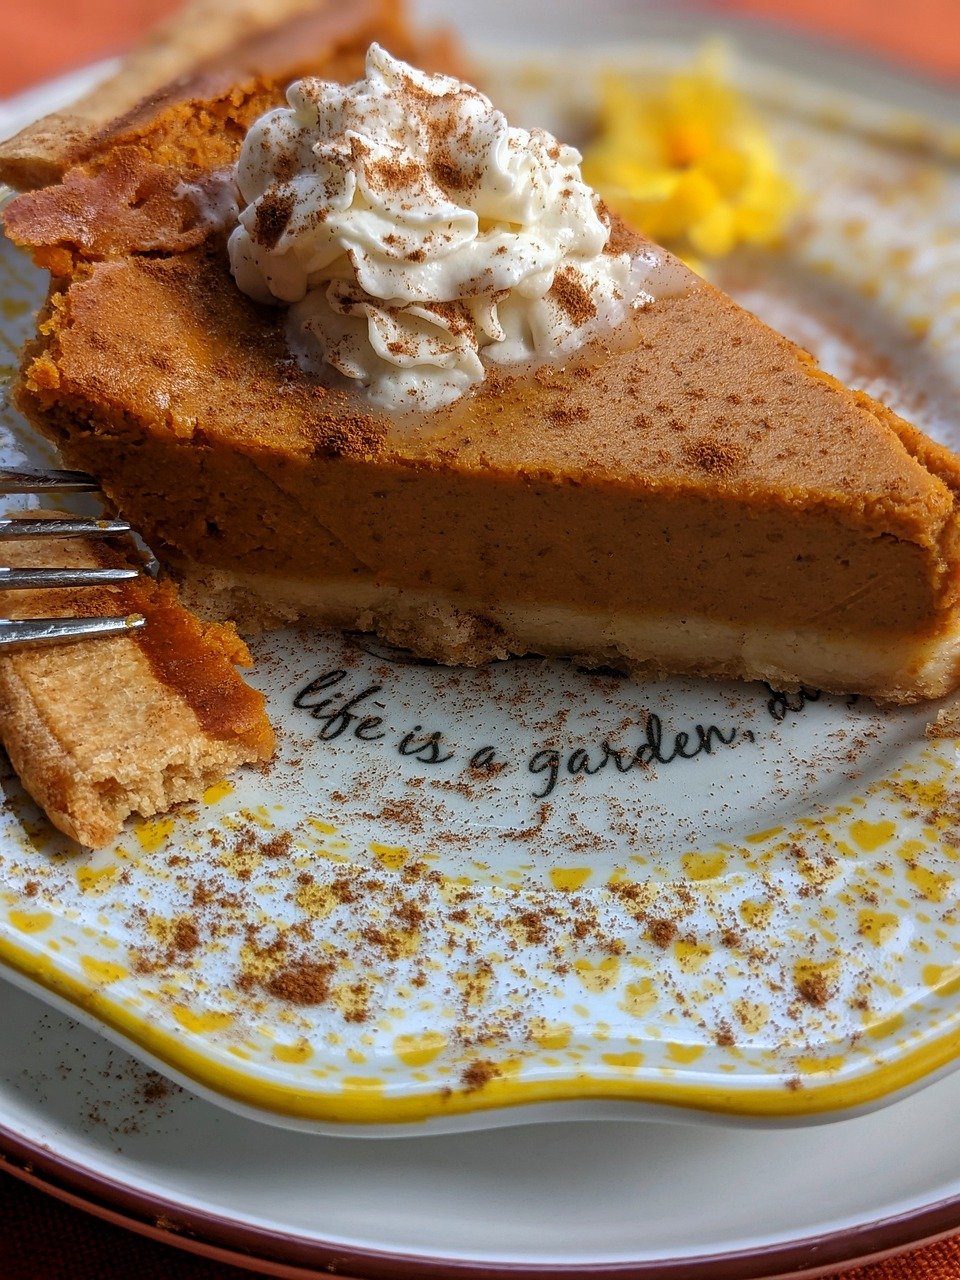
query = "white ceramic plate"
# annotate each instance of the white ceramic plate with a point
(657, 1201)
(460, 894)
(630, 1214)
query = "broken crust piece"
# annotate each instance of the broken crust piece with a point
(102, 728)
(207, 47)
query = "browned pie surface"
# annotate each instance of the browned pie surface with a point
(718, 423)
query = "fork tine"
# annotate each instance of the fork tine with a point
(26, 480)
(48, 630)
(35, 631)
(75, 527)
(32, 579)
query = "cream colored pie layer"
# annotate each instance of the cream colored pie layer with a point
(457, 629)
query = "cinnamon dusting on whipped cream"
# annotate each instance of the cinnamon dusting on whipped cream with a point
(418, 238)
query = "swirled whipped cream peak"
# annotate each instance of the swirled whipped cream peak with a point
(417, 237)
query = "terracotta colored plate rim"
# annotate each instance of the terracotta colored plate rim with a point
(292, 1257)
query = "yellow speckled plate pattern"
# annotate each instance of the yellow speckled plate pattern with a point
(458, 893)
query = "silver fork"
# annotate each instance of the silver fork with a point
(31, 631)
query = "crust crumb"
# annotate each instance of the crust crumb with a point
(947, 722)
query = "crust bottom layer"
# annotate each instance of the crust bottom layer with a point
(460, 631)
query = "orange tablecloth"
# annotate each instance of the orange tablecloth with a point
(39, 1238)
(922, 33)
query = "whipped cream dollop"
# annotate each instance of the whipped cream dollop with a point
(416, 236)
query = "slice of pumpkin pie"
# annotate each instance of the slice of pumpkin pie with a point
(419, 382)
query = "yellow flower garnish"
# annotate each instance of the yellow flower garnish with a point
(688, 163)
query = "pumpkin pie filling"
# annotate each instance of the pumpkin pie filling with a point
(686, 492)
